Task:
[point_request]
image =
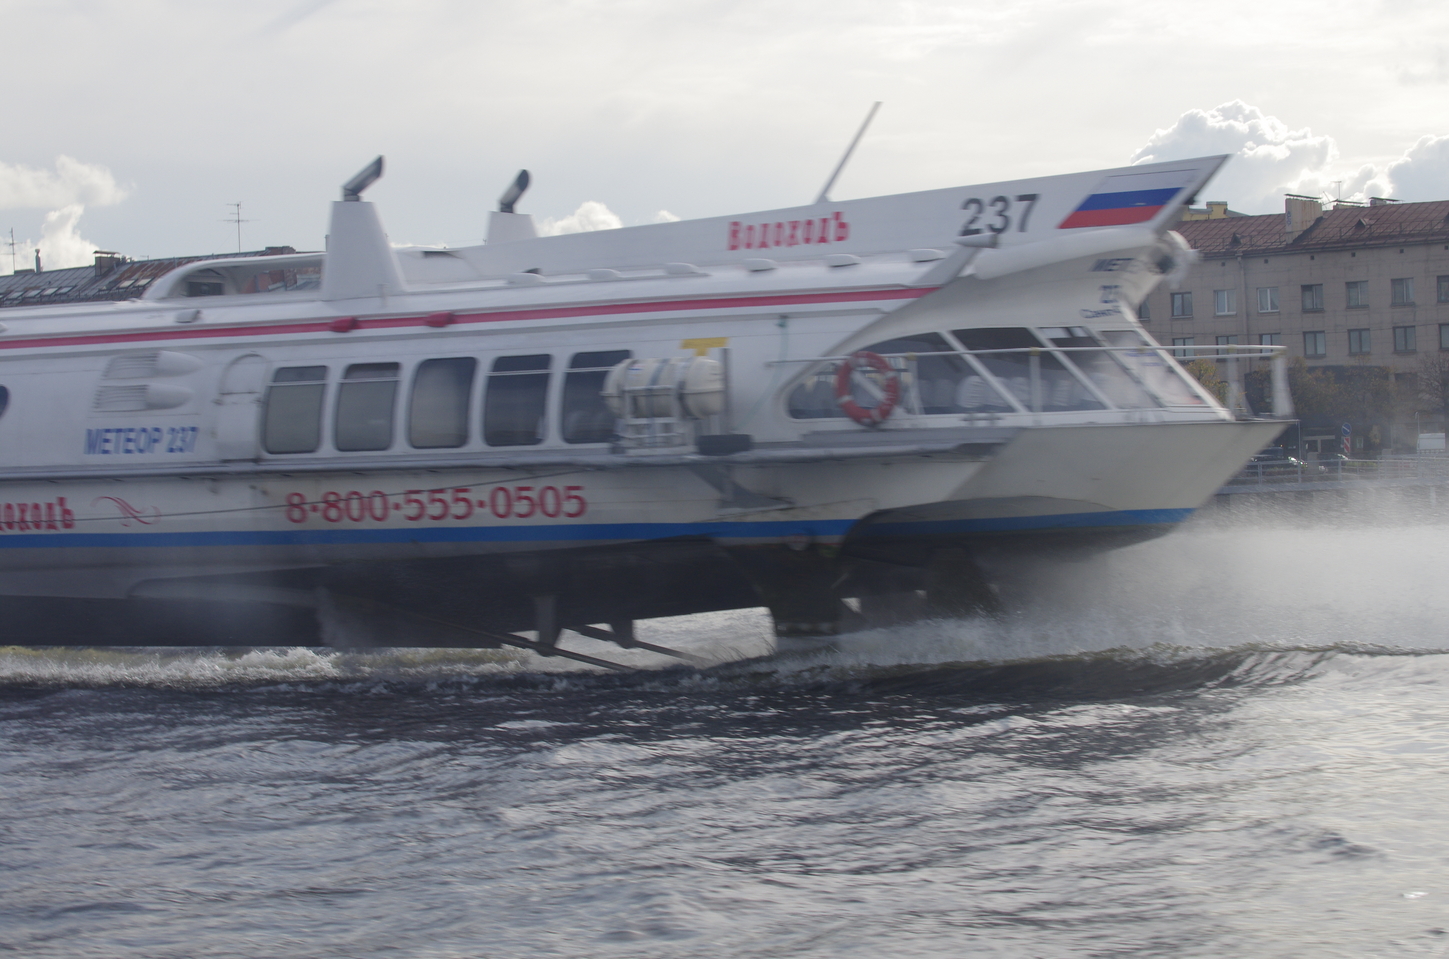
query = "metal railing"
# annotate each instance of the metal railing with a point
(1151, 368)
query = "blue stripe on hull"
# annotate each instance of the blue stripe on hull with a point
(1032, 524)
(588, 532)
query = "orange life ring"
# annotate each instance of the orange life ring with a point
(865, 361)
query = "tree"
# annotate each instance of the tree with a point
(1206, 373)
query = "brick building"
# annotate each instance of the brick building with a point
(1349, 286)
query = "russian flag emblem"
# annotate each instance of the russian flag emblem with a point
(1125, 198)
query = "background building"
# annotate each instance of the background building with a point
(1359, 293)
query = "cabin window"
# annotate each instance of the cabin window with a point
(365, 402)
(586, 418)
(1055, 388)
(4, 400)
(516, 401)
(1104, 370)
(438, 411)
(293, 419)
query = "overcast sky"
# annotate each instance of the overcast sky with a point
(132, 125)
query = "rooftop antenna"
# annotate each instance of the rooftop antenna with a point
(236, 218)
(825, 193)
(12, 249)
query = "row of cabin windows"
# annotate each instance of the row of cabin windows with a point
(514, 407)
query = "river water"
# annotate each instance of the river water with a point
(1230, 742)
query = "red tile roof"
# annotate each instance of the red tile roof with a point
(1342, 229)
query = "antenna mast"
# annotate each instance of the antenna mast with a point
(236, 218)
(825, 193)
(12, 249)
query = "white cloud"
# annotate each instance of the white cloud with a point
(70, 182)
(1270, 159)
(591, 215)
(60, 244)
(664, 216)
(1422, 173)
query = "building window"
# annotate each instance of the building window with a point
(1181, 304)
(1267, 299)
(1403, 292)
(1444, 336)
(1312, 297)
(1404, 339)
(1357, 294)
(1270, 339)
(1186, 341)
(1144, 314)
(1443, 287)
(1315, 343)
(1358, 342)
(1225, 302)
(1226, 341)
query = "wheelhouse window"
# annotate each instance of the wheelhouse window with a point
(292, 422)
(438, 409)
(934, 380)
(1053, 387)
(365, 402)
(584, 415)
(515, 403)
(1159, 375)
(1104, 370)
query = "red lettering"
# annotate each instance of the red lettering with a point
(750, 237)
(67, 516)
(21, 508)
(734, 234)
(824, 236)
(779, 234)
(809, 231)
(794, 238)
(9, 515)
(842, 229)
(50, 516)
(764, 236)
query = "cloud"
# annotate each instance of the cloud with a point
(664, 216)
(61, 244)
(70, 182)
(591, 215)
(1422, 173)
(1270, 159)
